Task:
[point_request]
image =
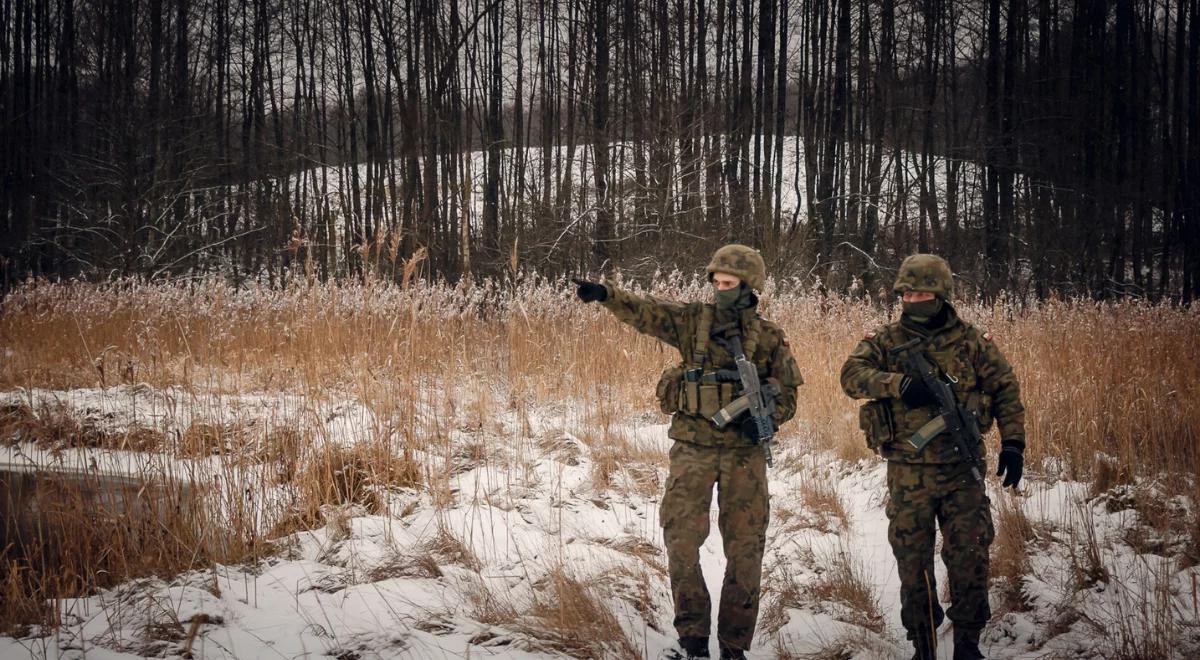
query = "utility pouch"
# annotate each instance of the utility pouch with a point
(875, 419)
(690, 401)
(668, 389)
(710, 400)
(727, 394)
(980, 403)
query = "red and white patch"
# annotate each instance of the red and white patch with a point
(786, 343)
(869, 335)
(987, 336)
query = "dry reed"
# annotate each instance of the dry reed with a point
(1117, 379)
(1114, 377)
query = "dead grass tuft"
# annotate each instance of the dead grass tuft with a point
(1107, 473)
(823, 505)
(1010, 553)
(618, 462)
(1191, 553)
(203, 439)
(338, 475)
(418, 565)
(570, 616)
(452, 550)
(491, 607)
(848, 644)
(845, 581)
(783, 591)
(358, 475)
(634, 585)
(1145, 619)
(54, 425)
(561, 447)
(281, 447)
(645, 551)
(1087, 562)
(469, 456)
(67, 534)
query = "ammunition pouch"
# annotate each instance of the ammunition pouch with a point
(669, 389)
(693, 391)
(877, 423)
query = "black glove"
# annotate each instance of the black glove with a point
(590, 291)
(1012, 463)
(915, 394)
(749, 428)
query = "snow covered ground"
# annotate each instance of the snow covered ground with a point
(542, 520)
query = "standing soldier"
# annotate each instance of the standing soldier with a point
(934, 449)
(709, 337)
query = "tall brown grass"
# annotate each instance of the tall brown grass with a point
(434, 363)
(1116, 377)
(68, 533)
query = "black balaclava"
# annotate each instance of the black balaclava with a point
(929, 313)
(735, 299)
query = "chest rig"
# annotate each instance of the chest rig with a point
(705, 389)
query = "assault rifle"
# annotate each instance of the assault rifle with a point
(952, 418)
(756, 400)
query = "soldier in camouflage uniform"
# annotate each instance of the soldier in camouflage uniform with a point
(934, 488)
(703, 454)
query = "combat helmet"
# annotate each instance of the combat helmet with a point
(742, 261)
(925, 272)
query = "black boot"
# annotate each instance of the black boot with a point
(733, 654)
(966, 645)
(924, 644)
(694, 647)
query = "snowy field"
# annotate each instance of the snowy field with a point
(536, 544)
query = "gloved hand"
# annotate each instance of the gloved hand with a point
(748, 428)
(1012, 463)
(590, 291)
(914, 393)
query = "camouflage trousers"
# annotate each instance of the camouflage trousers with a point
(922, 499)
(740, 474)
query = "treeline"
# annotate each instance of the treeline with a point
(1043, 146)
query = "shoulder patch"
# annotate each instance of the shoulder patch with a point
(870, 334)
(987, 336)
(786, 343)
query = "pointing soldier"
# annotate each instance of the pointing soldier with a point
(705, 386)
(936, 384)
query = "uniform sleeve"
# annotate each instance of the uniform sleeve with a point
(661, 319)
(864, 375)
(999, 381)
(783, 369)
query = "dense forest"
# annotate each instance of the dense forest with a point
(1047, 147)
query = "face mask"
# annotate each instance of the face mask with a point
(731, 298)
(922, 311)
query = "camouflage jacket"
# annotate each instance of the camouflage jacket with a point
(981, 379)
(675, 324)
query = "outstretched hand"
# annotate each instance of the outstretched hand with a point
(590, 291)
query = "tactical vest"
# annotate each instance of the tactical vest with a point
(895, 431)
(688, 388)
